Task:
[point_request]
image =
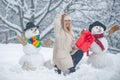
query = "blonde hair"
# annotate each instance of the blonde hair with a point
(66, 29)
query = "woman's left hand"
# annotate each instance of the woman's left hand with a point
(74, 47)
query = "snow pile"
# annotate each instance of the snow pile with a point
(11, 70)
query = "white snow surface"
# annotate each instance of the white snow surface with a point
(11, 70)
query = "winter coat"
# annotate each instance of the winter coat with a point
(62, 47)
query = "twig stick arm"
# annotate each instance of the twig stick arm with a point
(113, 29)
(22, 40)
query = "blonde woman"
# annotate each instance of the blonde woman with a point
(65, 57)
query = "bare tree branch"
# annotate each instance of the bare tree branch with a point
(20, 9)
(32, 10)
(41, 12)
(57, 5)
(48, 10)
(45, 14)
(21, 15)
(46, 31)
(26, 18)
(111, 16)
(10, 5)
(11, 25)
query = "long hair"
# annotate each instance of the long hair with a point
(66, 29)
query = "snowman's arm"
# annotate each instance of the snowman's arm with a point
(22, 40)
(113, 29)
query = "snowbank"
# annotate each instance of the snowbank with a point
(10, 69)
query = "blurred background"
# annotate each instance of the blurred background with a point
(14, 14)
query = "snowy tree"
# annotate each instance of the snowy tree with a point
(18, 12)
(88, 11)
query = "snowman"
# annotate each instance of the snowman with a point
(99, 58)
(32, 59)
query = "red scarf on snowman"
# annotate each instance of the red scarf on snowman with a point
(97, 36)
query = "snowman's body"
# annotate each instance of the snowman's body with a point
(32, 59)
(95, 48)
(99, 58)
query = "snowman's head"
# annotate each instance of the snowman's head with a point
(31, 30)
(97, 28)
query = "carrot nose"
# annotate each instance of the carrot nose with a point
(35, 30)
(100, 30)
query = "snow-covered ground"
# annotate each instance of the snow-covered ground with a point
(11, 70)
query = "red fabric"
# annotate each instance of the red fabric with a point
(88, 53)
(85, 40)
(97, 36)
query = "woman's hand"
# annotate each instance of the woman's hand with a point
(83, 31)
(74, 47)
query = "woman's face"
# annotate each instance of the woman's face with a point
(67, 23)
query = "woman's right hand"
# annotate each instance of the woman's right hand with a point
(83, 31)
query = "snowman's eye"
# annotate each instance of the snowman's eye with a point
(97, 27)
(31, 29)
